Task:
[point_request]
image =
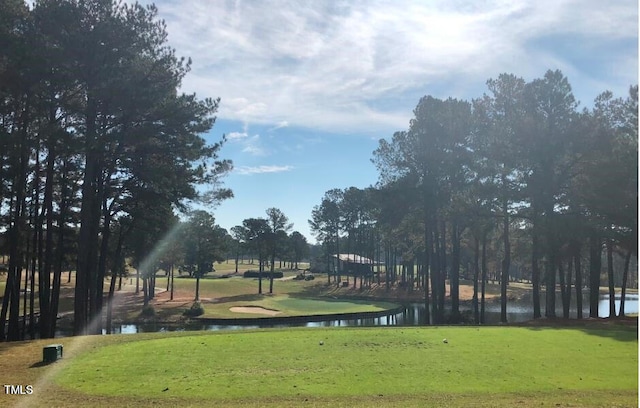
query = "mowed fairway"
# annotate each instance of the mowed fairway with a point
(285, 305)
(487, 366)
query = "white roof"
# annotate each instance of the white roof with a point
(353, 258)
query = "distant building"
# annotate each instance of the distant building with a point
(355, 265)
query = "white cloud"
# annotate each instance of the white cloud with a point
(280, 125)
(329, 65)
(254, 147)
(248, 170)
(237, 135)
(250, 144)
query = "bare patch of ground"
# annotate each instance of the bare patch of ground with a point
(254, 310)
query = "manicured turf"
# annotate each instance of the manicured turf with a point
(362, 367)
(217, 289)
(225, 268)
(292, 306)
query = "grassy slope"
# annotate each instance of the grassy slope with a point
(354, 367)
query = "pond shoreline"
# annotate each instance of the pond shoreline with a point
(250, 321)
(207, 324)
(405, 310)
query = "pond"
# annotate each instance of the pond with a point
(412, 315)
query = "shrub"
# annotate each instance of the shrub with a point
(250, 274)
(256, 274)
(196, 309)
(148, 311)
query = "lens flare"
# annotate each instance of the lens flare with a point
(74, 344)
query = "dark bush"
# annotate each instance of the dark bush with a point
(148, 311)
(309, 277)
(195, 310)
(255, 274)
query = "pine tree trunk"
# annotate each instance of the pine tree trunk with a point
(11, 299)
(172, 274)
(425, 268)
(330, 265)
(237, 257)
(30, 272)
(57, 272)
(197, 287)
(625, 277)
(112, 287)
(595, 265)
(578, 265)
(152, 285)
(377, 257)
(45, 274)
(115, 272)
(443, 272)
(273, 264)
(535, 274)
(435, 272)
(476, 273)
(102, 264)
(387, 267)
(610, 275)
(36, 254)
(60, 250)
(145, 291)
(454, 284)
(506, 261)
(260, 267)
(87, 246)
(338, 258)
(565, 288)
(32, 321)
(484, 277)
(550, 280)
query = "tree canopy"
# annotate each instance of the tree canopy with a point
(89, 97)
(467, 177)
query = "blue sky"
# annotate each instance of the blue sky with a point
(308, 88)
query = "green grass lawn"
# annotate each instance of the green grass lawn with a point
(216, 289)
(292, 306)
(406, 367)
(211, 287)
(224, 268)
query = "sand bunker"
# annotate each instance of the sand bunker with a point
(254, 310)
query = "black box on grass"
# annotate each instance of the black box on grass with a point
(51, 353)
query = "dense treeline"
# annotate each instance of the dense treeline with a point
(98, 149)
(518, 174)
